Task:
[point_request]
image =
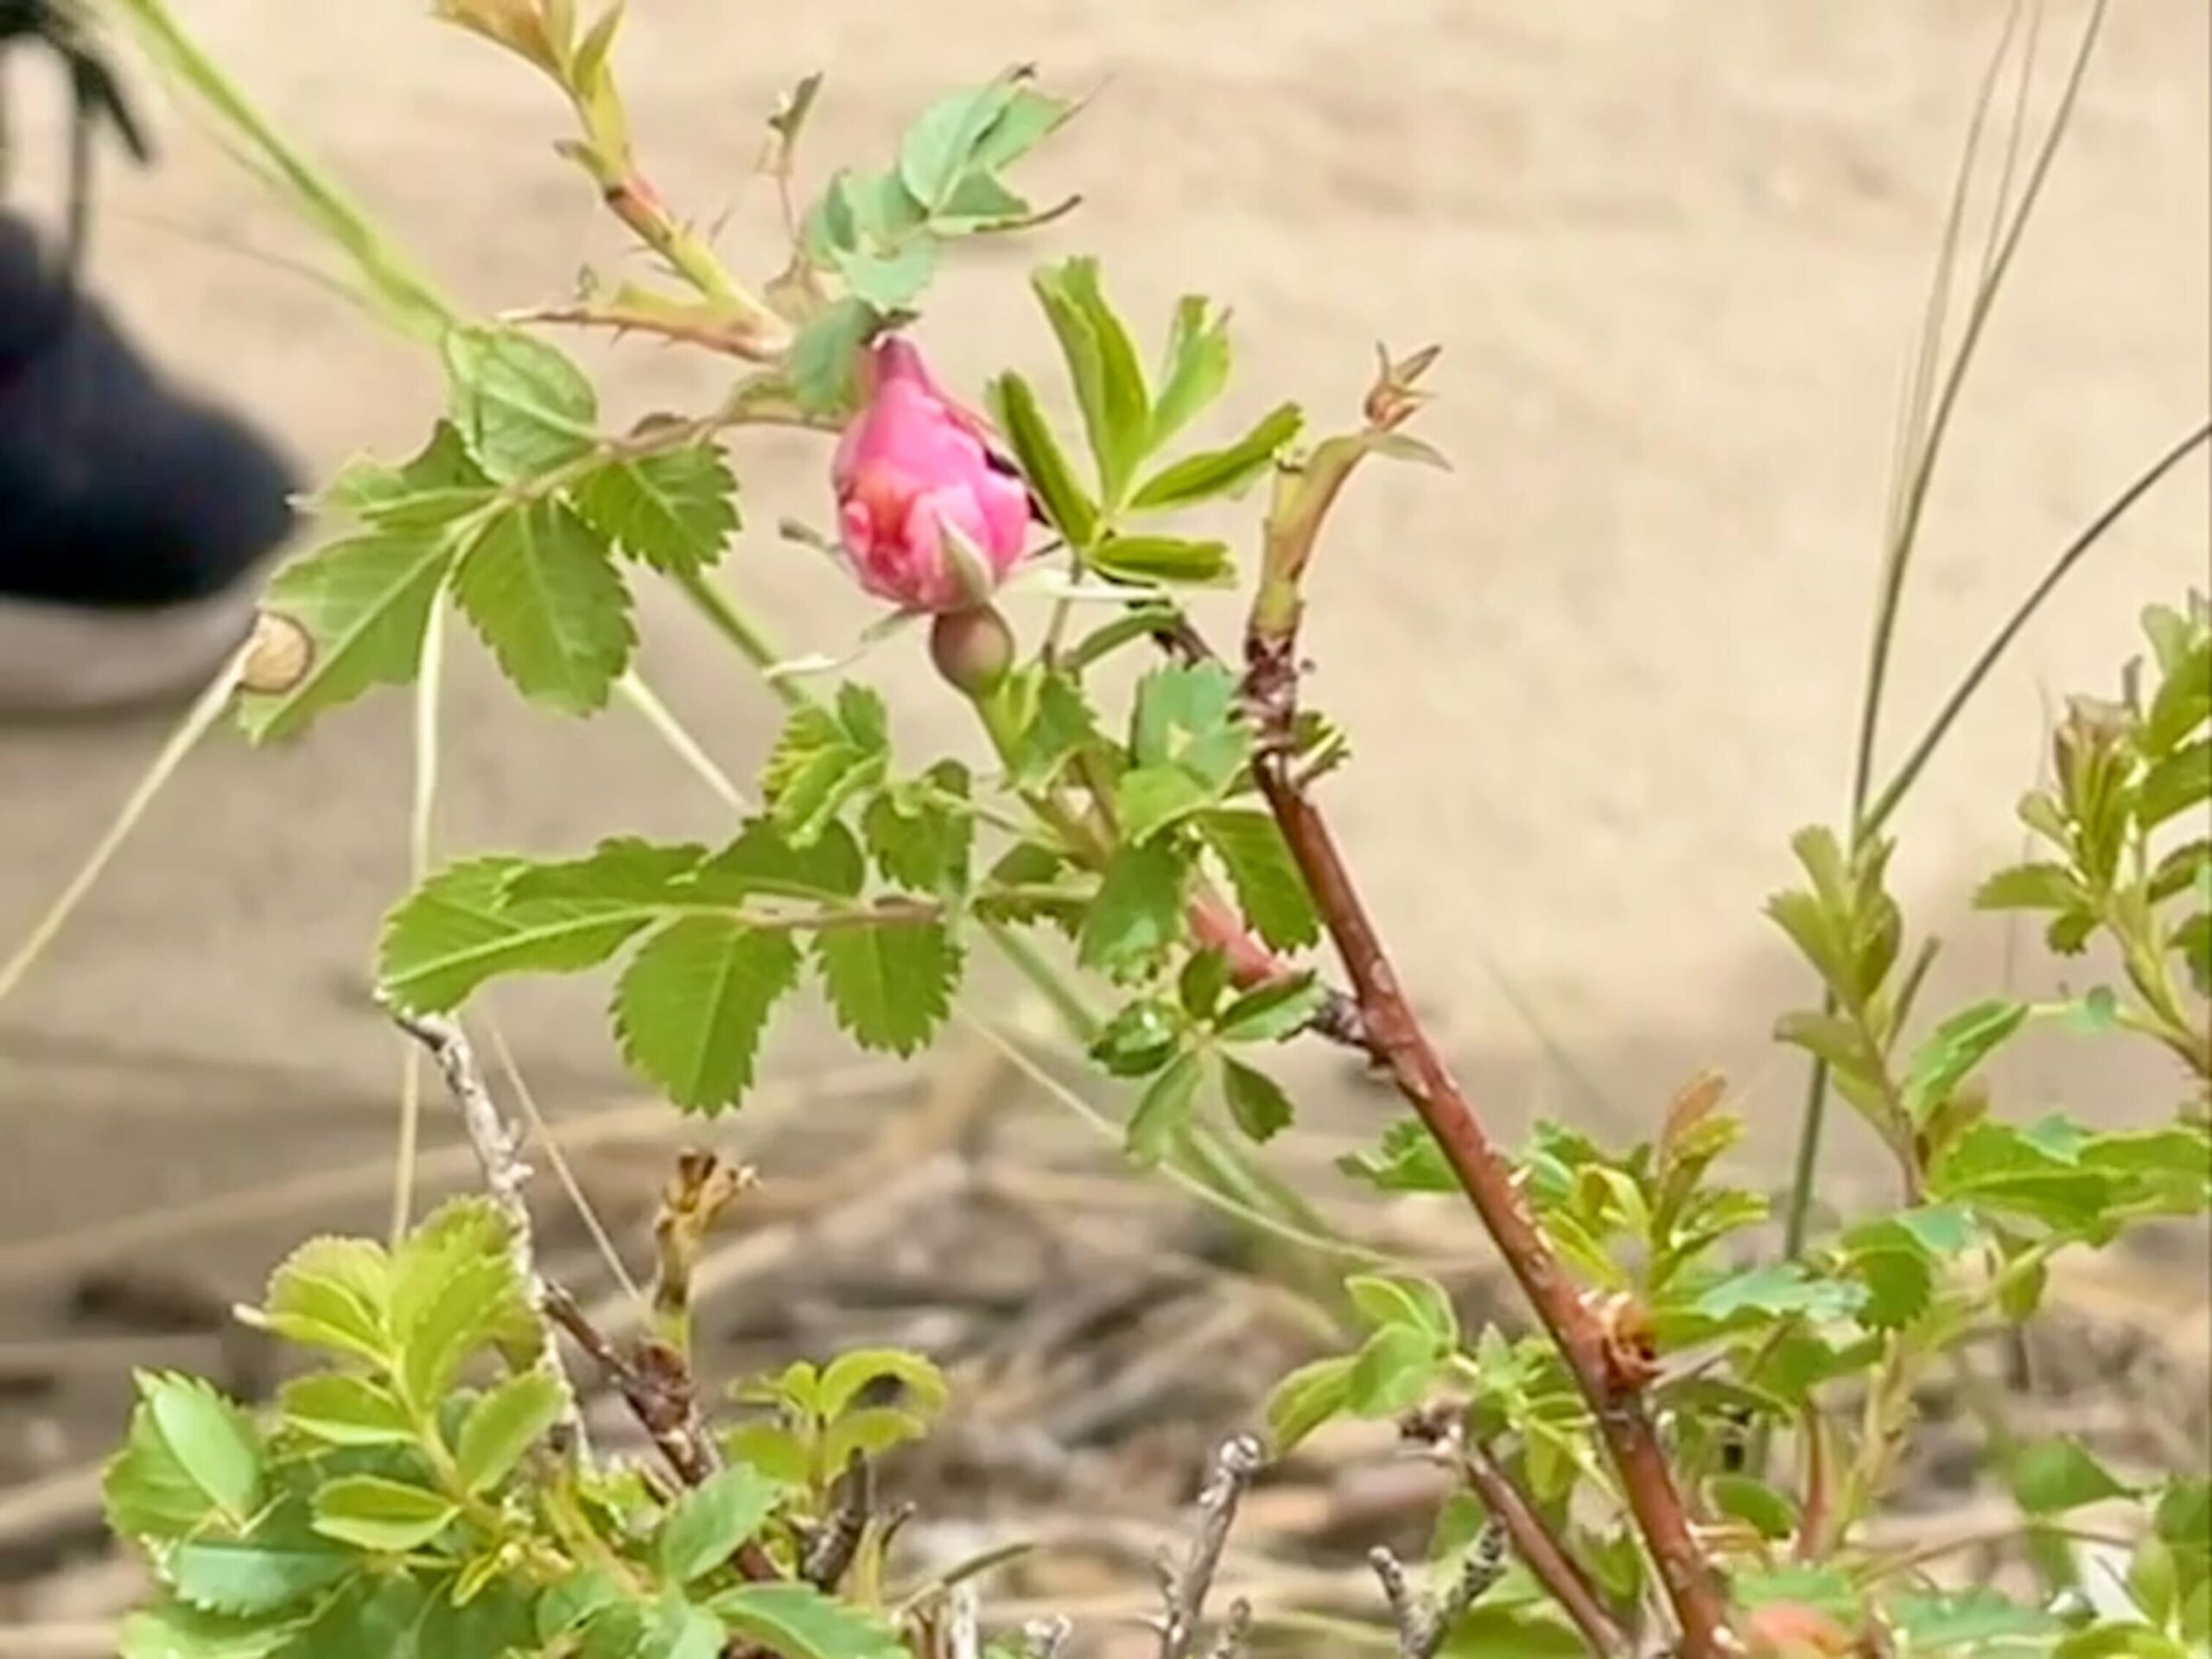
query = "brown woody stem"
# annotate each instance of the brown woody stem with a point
(1540, 1553)
(1611, 1386)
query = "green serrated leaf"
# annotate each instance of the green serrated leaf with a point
(920, 839)
(2181, 780)
(675, 510)
(622, 873)
(1138, 913)
(1782, 1287)
(1770, 1513)
(1060, 726)
(1148, 799)
(2054, 1475)
(1043, 462)
(157, 1488)
(1392, 1371)
(1419, 1303)
(542, 591)
(1109, 383)
(869, 1432)
(478, 1301)
(689, 1009)
(940, 148)
(889, 280)
(1255, 1100)
(462, 928)
(1979, 1621)
(889, 983)
(824, 757)
(1215, 474)
(172, 1630)
(345, 1410)
(762, 860)
(251, 1577)
(521, 406)
(799, 1622)
(824, 356)
(1270, 889)
(1955, 1048)
(1139, 1039)
(504, 1424)
(383, 1516)
(709, 1522)
(1194, 370)
(1165, 1109)
(1407, 1159)
(2032, 886)
(1188, 717)
(333, 1294)
(1170, 561)
(1273, 1011)
(365, 607)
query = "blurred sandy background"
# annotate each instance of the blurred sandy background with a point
(1676, 249)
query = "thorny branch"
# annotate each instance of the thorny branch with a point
(1615, 1396)
(498, 1155)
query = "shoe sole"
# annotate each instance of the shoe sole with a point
(65, 660)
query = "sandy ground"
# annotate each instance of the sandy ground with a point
(1597, 674)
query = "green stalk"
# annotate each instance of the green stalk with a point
(408, 297)
(1926, 424)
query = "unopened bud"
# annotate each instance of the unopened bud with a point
(973, 649)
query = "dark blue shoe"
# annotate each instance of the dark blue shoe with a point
(134, 520)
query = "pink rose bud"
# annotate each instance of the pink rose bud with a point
(930, 518)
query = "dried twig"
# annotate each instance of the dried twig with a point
(830, 1553)
(1186, 1589)
(499, 1155)
(1046, 1638)
(1424, 1622)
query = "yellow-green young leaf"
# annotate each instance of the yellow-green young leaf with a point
(675, 511)
(922, 1384)
(251, 1577)
(1305, 1400)
(521, 406)
(505, 1423)
(1418, 1304)
(1138, 912)
(1193, 371)
(1165, 1108)
(455, 1289)
(889, 983)
(689, 1009)
(869, 1432)
(191, 1457)
(333, 1294)
(1169, 561)
(1255, 1100)
(364, 605)
(344, 1410)
(1044, 464)
(1212, 474)
(1392, 1371)
(772, 1452)
(2032, 886)
(542, 591)
(707, 1523)
(1269, 889)
(797, 1621)
(461, 927)
(1109, 384)
(2181, 780)
(383, 1516)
